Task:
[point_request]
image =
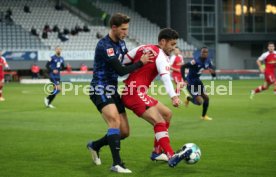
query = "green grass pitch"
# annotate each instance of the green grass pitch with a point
(40, 142)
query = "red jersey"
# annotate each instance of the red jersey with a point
(146, 74)
(269, 59)
(176, 61)
(3, 64)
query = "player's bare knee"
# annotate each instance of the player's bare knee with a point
(155, 119)
(113, 122)
(159, 119)
(199, 100)
(58, 88)
(168, 115)
(124, 134)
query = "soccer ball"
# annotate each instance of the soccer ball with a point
(195, 155)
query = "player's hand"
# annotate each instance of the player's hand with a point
(146, 58)
(182, 84)
(176, 101)
(55, 71)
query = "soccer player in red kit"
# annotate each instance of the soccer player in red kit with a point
(136, 99)
(3, 64)
(269, 59)
(176, 61)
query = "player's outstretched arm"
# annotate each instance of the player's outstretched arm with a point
(123, 70)
(48, 66)
(170, 90)
(182, 69)
(62, 67)
(259, 63)
(213, 71)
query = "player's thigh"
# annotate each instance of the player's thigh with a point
(124, 125)
(57, 84)
(203, 92)
(195, 91)
(111, 115)
(175, 79)
(138, 102)
(269, 80)
(179, 81)
(1, 82)
(164, 111)
(205, 97)
(118, 102)
(153, 116)
(55, 81)
(58, 87)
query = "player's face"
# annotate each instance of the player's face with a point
(176, 51)
(121, 31)
(58, 50)
(271, 47)
(204, 53)
(168, 46)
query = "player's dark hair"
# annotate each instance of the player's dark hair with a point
(270, 42)
(118, 19)
(176, 47)
(168, 34)
(204, 47)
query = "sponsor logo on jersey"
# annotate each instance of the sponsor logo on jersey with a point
(110, 52)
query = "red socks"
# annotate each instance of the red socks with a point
(162, 138)
(157, 148)
(260, 88)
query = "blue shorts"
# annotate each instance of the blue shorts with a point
(54, 78)
(102, 100)
(55, 81)
(196, 89)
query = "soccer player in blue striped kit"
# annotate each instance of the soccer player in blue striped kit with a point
(54, 66)
(194, 84)
(109, 54)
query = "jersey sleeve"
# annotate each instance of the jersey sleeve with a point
(182, 59)
(211, 64)
(172, 59)
(263, 56)
(162, 64)
(107, 52)
(168, 85)
(129, 57)
(5, 62)
(49, 64)
(62, 66)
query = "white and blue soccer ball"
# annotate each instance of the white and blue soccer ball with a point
(195, 155)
